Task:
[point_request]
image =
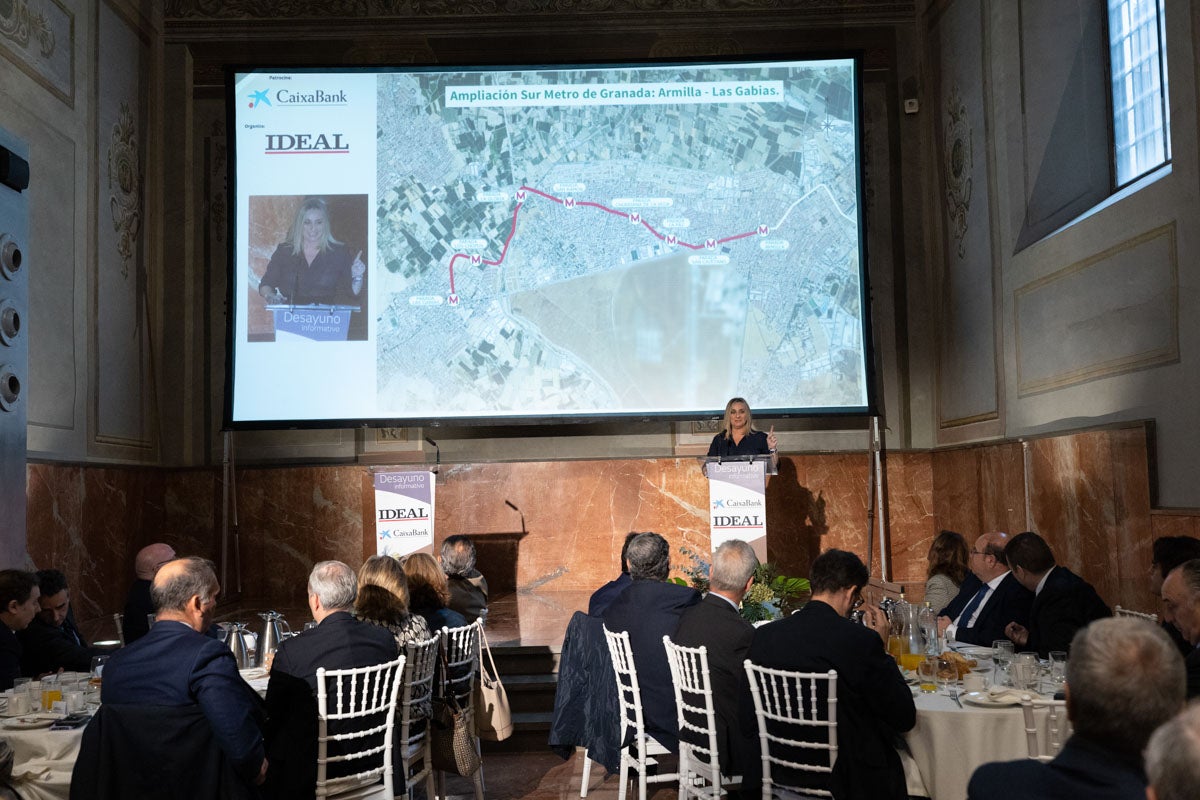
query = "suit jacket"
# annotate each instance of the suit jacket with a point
(650, 610)
(339, 642)
(1065, 604)
(173, 665)
(10, 657)
(468, 595)
(966, 590)
(49, 648)
(874, 704)
(1082, 769)
(602, 597)
(1192, 664)
(134, 624)
(714, 623)
(1009, 602)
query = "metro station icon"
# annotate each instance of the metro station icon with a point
(569, 202)
(520, 195)
(635, 218)
(763, 230)
(476, 259)
(672, 239)
(710, 244)
(452, 300)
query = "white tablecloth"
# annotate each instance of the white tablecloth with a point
(42, 761)
(949, 742)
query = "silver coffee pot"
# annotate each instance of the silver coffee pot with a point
(274, 626)
(235, 637)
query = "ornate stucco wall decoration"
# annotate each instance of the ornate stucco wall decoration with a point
(125, 186)
(959, 162)
(21, 23)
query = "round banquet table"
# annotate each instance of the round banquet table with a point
(42, 761)
(949, 742)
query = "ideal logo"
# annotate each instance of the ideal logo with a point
(403, 513)
(306, 143)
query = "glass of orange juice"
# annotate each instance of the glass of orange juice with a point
(909, 661)
(51, 691)
(895, 647)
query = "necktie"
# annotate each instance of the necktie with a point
(964, 619)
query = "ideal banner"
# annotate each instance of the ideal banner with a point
(403, 512)
(737, 501)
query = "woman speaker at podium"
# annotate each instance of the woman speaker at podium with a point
(312, 266)
(738, 437)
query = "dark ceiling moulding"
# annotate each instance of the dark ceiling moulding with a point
(194, 11)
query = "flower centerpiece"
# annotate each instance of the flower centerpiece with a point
(771, 596)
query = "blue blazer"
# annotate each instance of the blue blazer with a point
(1082, 769)
(650, 610)
(173, 665)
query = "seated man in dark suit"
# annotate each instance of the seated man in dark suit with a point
(609, 591)
(52, 642)
(1181, 607)
(1063, 602)
(1173, 758)
(874, 705)
(648, 610)
(468, 588)
(716, 623)
(138, 605)
(1124, 679)
(980, 615)
(338, 642)
(175, 664)
(18, 606)
(1167, 554)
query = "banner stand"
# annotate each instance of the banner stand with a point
(404, 503)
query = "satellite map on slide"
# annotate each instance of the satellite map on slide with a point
(598, 242)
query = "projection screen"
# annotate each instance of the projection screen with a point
(545, 243)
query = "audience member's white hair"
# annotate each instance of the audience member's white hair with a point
(733, 563)
(334, 584)
(1173, 757)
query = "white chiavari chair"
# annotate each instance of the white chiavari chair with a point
(699, 764)
(796, 714)
(643, 751)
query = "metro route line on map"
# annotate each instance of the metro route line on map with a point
(570, 202)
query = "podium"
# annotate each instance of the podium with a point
(737, 499)
(313, 322)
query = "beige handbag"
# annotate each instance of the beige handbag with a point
(493, 718)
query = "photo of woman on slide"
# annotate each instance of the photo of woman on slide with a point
(311, 266)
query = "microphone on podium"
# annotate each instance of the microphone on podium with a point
(510, 504)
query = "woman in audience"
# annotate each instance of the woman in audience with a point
(383, 600)
(430, 593)
(947, 569)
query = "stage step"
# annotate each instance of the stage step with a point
(530, 677)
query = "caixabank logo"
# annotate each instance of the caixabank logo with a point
(292, 98)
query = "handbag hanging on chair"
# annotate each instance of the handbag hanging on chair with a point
(452, 735)
(493, 718)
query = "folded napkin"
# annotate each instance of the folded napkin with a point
(1006, 693)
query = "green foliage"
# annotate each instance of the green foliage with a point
(771, 596)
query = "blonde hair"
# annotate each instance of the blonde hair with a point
(426, 582)
(296, 234)
(727, 430)
(386, 573)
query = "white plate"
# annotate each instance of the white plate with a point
(28, 723)
(973, 650)
(987, 700)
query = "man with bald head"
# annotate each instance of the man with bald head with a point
(176, 666)
(1181, 608)
(984, 608)
(138, 605)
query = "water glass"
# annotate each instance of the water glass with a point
(1058, 669)
(1026, 671)
(977, 680)
(1002, 657)
(25, 685)
(98, 663)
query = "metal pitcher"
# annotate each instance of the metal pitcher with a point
(272, 634)
(235, 637)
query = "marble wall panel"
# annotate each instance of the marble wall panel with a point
(979, 489)
(564, 527)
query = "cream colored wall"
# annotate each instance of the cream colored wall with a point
(1092, 324)
(93, 283)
